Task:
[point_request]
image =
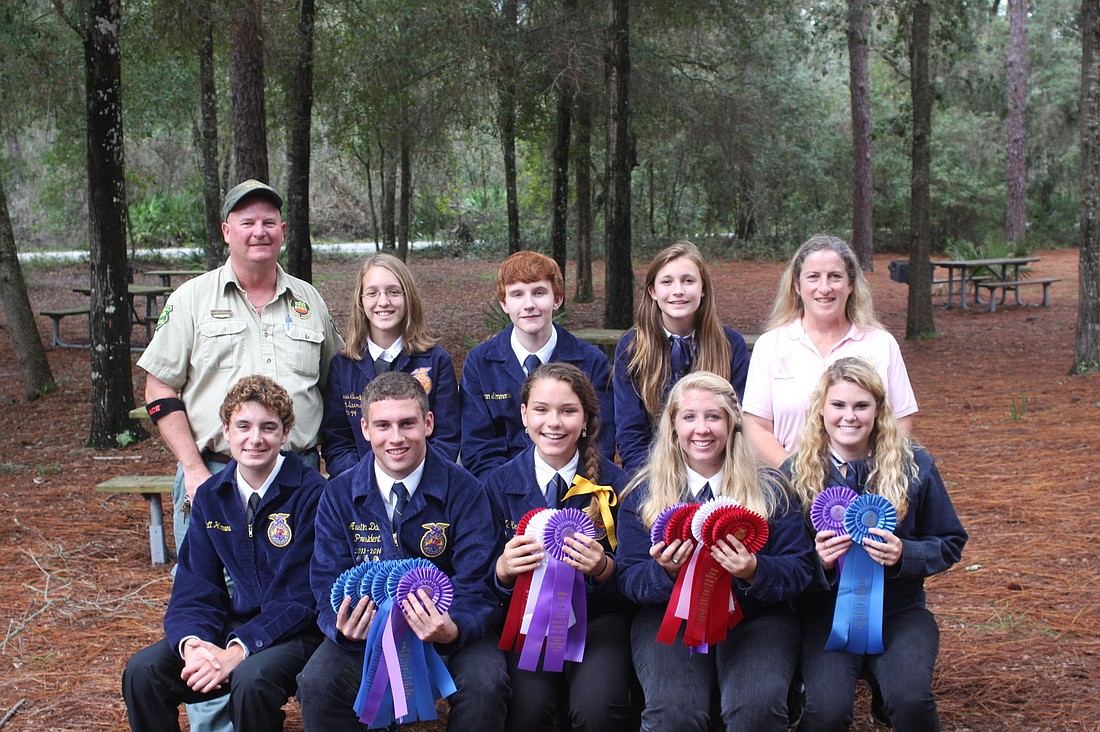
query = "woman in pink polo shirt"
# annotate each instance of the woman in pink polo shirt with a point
(822, 312)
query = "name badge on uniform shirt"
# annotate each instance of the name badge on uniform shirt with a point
(221, 314)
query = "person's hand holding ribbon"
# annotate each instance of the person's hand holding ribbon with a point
(830, 547)
(522, 554)
(426, 621)
(586, 555)
(886, 552)
(733, 557)
(354, 622)
(672, 556)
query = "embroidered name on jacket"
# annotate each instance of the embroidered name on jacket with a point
(366, 541)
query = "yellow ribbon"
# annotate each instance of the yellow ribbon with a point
(605, 496)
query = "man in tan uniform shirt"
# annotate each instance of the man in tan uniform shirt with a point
(246, 317)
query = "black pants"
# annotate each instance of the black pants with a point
(330, 682)
(598, 688)
(258, 687)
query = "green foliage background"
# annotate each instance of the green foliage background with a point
(741, 114)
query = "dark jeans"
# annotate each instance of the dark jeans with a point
(751, 670)
(598, 688)
(903, 672)
(258, 687)
(329, 683)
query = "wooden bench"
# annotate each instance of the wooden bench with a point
(150, 487)
(607, 338)
(1015, 285)
(58, 315)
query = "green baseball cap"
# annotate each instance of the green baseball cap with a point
(242, 191)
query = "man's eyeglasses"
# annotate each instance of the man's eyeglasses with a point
(391, 294)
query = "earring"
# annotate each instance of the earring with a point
(584, 432)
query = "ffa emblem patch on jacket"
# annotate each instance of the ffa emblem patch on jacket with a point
(601, 530)
(278, 531)
(434, 541)
(422, 376)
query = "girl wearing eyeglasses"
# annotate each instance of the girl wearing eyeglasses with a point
(386, 332)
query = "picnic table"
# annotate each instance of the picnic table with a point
(166, 275)
(960, 270)
(152, 295)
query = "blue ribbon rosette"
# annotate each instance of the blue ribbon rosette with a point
(395, 658)
(857, 620)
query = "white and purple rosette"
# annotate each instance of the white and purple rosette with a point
(558, 605)
(827, 510)
(562, 525)
(657, 531)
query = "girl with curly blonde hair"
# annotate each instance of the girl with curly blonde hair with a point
(852, 438)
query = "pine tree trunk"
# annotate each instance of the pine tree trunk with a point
(112, 383)
(211, 185)
(299, 247)
(389, 200)
(34, 368)
(1015, 124)
(862, 189)
(920, 323)
(506, 119)
(619, 303)
(582, 170)
(559, 220)
(246, 79)
(404, 222)
(1086, 355)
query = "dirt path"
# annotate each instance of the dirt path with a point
(1017, 441)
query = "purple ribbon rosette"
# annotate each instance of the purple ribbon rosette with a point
(827, 512)
(402, 675)
(657, 531)
(558, 607)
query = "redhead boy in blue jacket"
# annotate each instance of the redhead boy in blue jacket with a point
(530, 289)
